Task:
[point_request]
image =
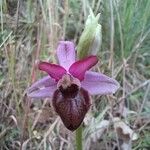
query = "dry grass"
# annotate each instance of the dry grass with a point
(30, 30)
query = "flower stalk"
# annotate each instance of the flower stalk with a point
(79, 138)
(89, 43)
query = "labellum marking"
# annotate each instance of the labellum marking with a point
(71, 103)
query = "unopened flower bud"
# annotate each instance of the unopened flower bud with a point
(90, 40)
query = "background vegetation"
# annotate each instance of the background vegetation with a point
(31, 29)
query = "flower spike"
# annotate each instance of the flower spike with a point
(70, 85)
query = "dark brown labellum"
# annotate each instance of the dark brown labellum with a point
(71, 104)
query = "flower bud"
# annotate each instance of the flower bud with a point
(90, 40)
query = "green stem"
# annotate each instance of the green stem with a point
(79, 138)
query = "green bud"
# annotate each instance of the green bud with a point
(90, 40)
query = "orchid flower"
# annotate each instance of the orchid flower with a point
(70, 83)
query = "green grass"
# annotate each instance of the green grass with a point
(30, 30)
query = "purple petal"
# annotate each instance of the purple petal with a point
(98, 83)
(79, 68)
(55, 71)
(44, 82)
(43, 93)
(42, 88)
(66, 54)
